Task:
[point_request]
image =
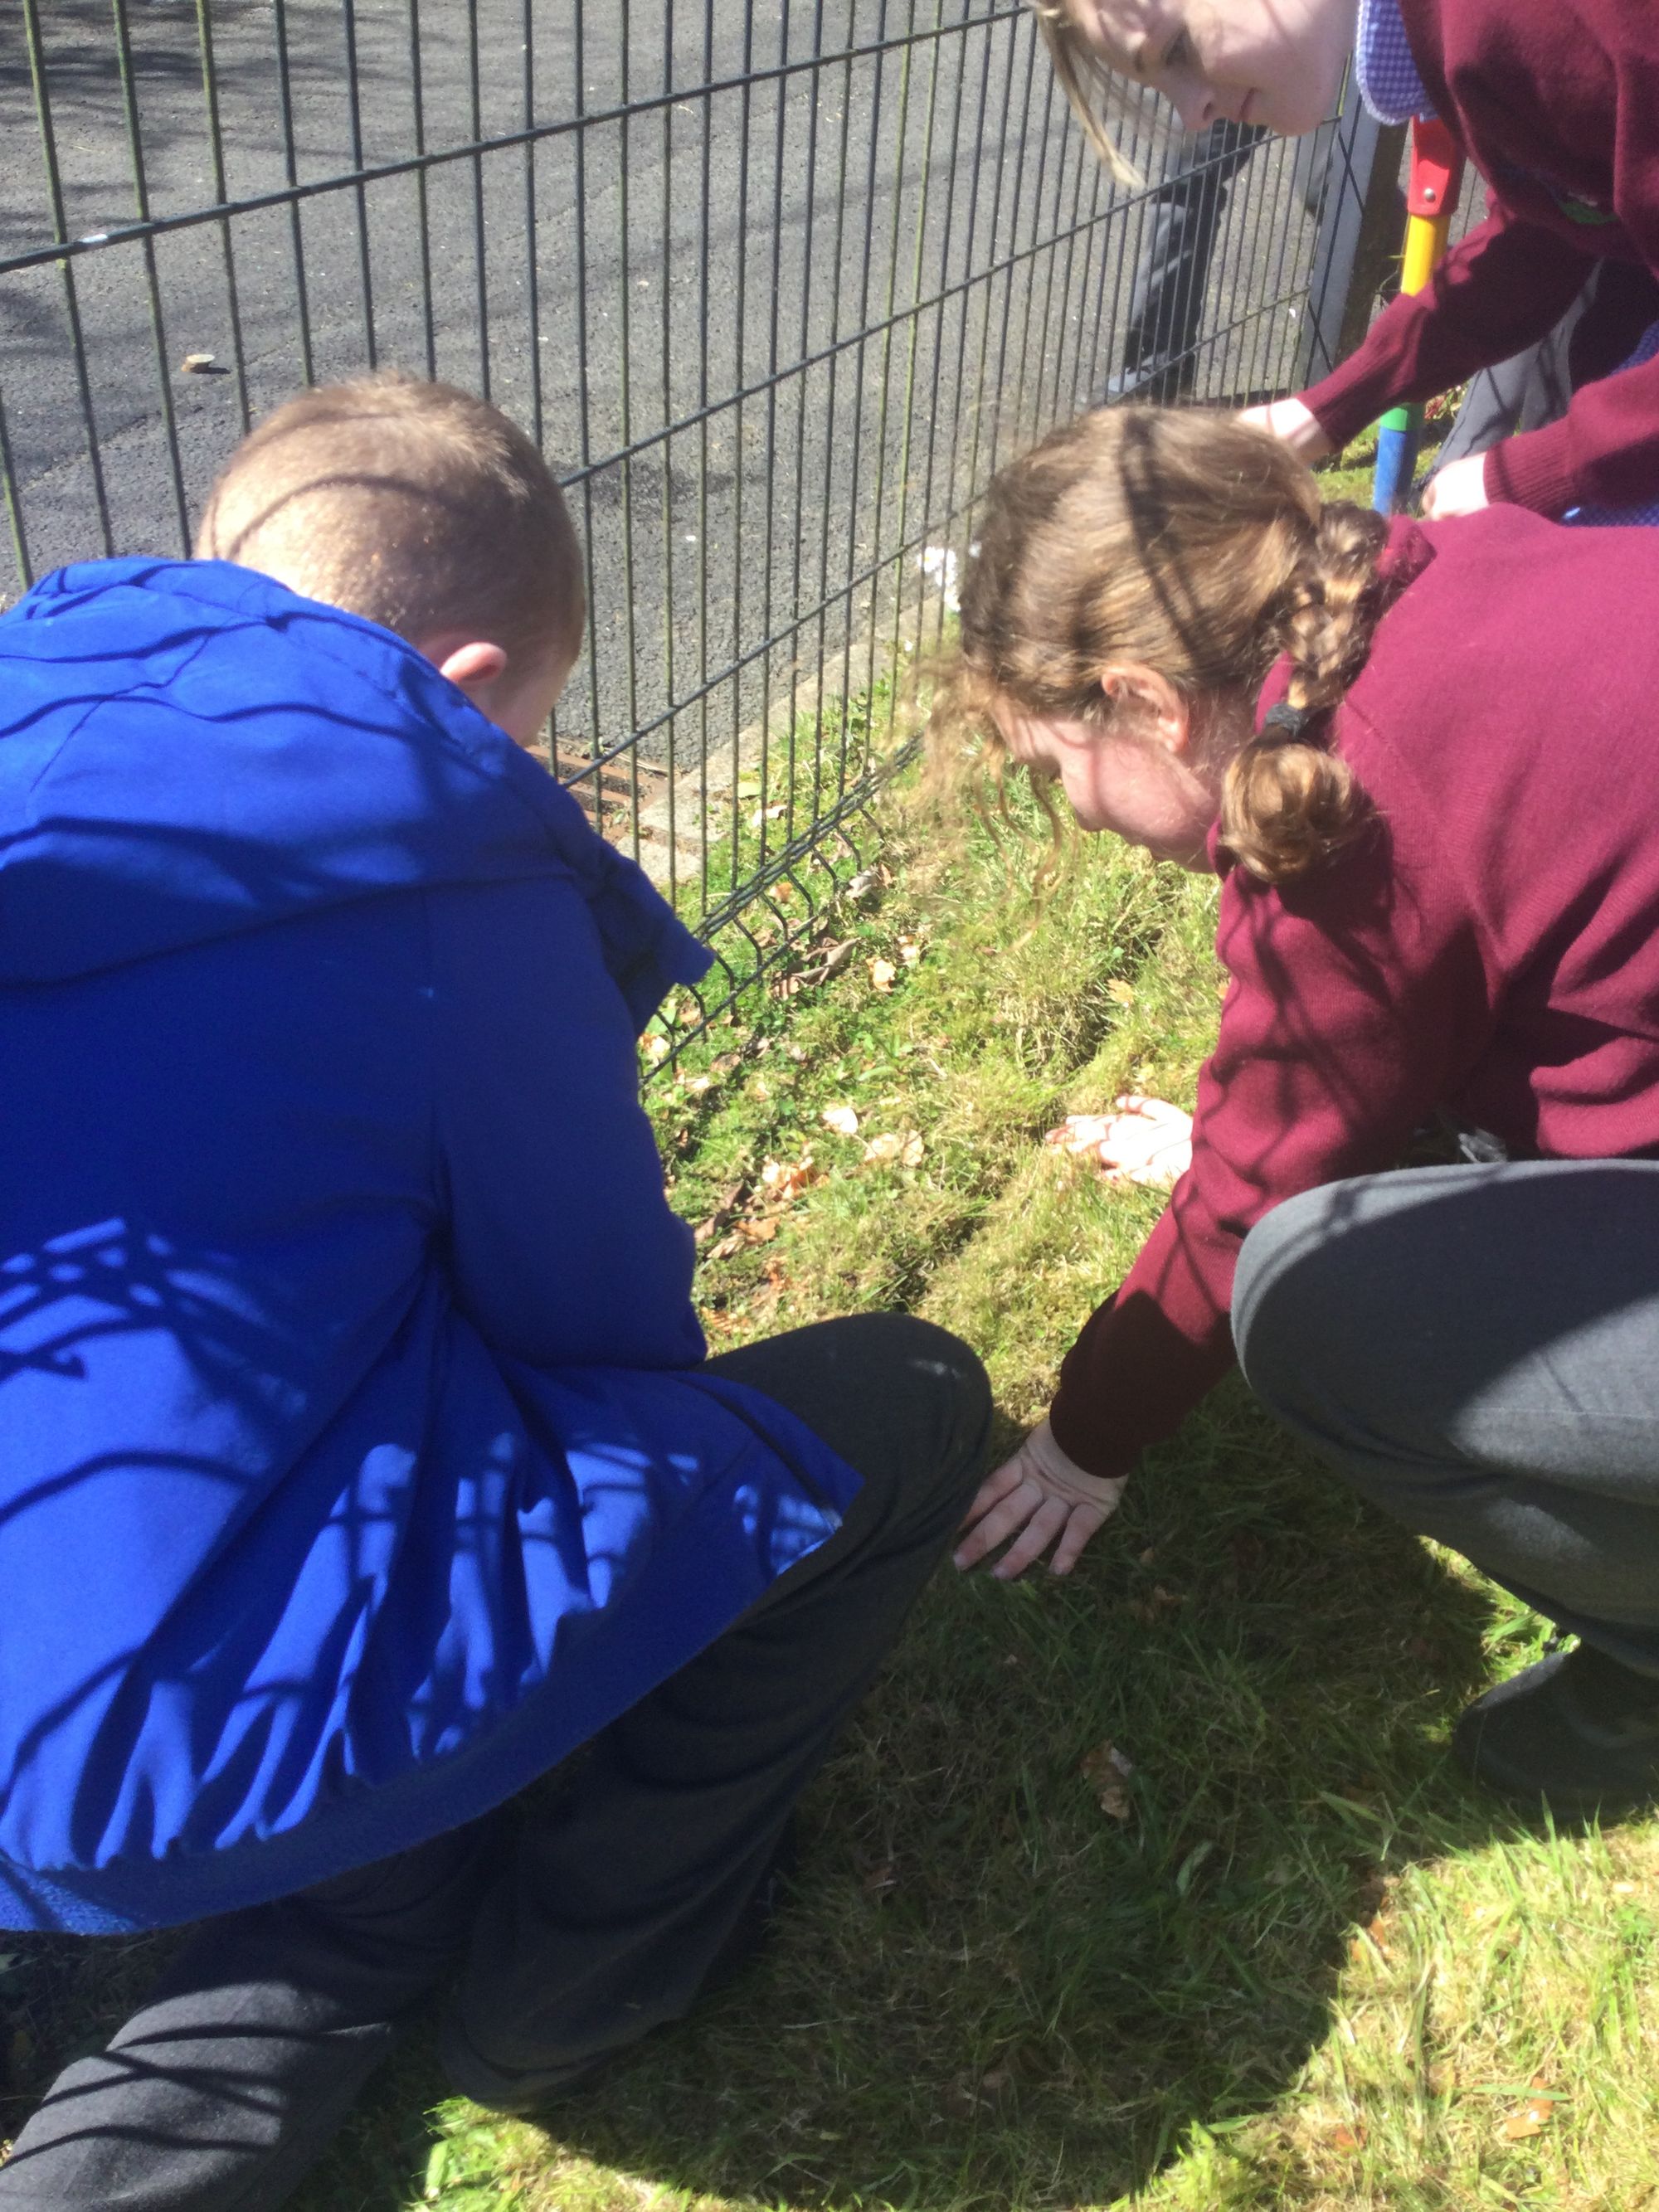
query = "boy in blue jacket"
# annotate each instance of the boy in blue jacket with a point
(359, 1457)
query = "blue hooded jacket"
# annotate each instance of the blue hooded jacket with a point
(355, 1458)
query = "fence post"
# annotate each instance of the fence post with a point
(1360, 227)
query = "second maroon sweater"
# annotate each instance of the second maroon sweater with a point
(1492, 949)
(1556, 102)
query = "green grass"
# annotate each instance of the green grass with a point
(1314, 1969)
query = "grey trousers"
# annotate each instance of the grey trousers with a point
(569, 1930)
(1184, 217)
(1476, 1350)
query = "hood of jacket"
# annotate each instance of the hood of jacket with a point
(189, 749)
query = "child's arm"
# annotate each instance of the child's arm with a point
(562, 1247)
(1502, 288)
(1357, 1004)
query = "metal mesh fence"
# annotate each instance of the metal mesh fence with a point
(776, 288)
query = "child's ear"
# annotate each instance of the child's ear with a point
(1151, 706)
(473, 667)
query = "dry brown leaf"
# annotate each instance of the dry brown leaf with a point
(882, 973)
(907, 1149)
(1531, 2120)
(1123, 993)
(909, 953)
(725, 1206)
(784, 1180)
(656, 1047)
(1346, 2138)
(1107, 1771)
(843, 1120)
(758, 1233)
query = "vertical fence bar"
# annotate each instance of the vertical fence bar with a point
(423, 204)
(479, 230)
(666, 218)
(531, 226)
(216, 155)
(15, 524)
(625, 340)
(152, 282)
(355, 114)
(291, 166)
(41, 84)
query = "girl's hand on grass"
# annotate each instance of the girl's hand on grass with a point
(1145, 1141)
(1296, 424)
(1458, 489)
(1039, 1498)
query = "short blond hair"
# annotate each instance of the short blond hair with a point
(416, 505)
(1088, 84)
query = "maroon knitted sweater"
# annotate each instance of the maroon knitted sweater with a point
(1556, 102)
(1492, 948)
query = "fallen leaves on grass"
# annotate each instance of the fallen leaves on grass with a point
(882, 975)
(1535, 2116)
(1107, 1771)
(725, 1207)
(1520, 2125)
(843, 1120)
(785, 1180)
(907, 1150)
(1121, 993)
(1149, 1611)
(829, 960)
(781, 1183)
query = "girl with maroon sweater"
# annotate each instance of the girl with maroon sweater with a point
(1437, 897)
(1555, 102)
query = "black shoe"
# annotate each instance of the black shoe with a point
(513, 2089)
(1578, 1730)
(1156, 384)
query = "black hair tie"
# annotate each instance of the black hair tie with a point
(1293, 721)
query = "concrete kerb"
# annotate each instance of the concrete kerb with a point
(678, 827)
